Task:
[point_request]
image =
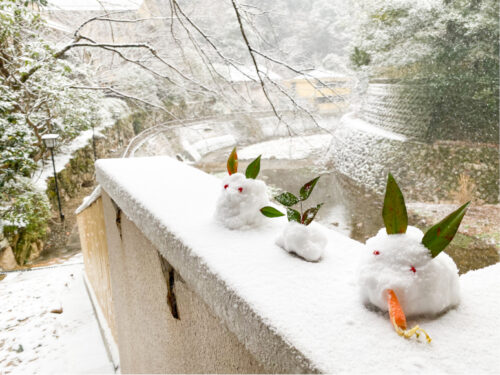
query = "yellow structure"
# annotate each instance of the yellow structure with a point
(323, 90)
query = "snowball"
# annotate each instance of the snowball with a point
(240, 201)
(423, 285)
(309, 242)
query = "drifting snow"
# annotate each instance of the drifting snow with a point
(267, 297)
(423, 285)
(287, 148)
(308, 242)
(240, 201)
(33, 339)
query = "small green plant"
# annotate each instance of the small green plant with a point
(288, 200)
(396, 220)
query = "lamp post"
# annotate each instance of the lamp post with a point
(50, 140)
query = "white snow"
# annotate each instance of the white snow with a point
(352, 121)
(423, 285)
(65, 152)
(240, 201)
(34, 340)
(88, 200)
(315, 307)
(287, 148)
(308, 242)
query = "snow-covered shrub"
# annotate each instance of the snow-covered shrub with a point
(24, 214)
(36, 98)
(298, 236)
(241, 196)
(403, 266)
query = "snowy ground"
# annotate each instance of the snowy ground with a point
(35, 340)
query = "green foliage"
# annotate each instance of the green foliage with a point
(449, 50)
(293, 215)
(440, 235)
(35, 99)
(359, 57)
(253, 168)
(288, 200)
(306, 190)
(394, 210)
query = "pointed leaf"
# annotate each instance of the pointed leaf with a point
(293, 215)
(306, 190)
(232, 162)
(271, 212)
(253, 168)
(394, 211)
(441, 234)
(287, 199)
(310, 214)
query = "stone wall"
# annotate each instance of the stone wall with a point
(426, 172)
(80, 171)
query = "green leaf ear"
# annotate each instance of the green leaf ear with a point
(440, 235)
(253, 168)
(394, 211)
(232, 162)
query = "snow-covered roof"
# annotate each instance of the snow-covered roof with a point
(86, 5)
(320, 74)
(298, 315)
(243, 73)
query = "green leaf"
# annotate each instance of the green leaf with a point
(253, 168)
(293, 215)
(394, 211)
(441, 234)
(310, 214)
(271, 212)
(287, 199)
(232, 162)
(306, 190)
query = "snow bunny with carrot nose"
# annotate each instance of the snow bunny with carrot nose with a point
(405, 272)
(242, 196)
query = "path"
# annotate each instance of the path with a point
(47, 323)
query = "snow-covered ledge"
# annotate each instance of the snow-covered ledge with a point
(291, 315)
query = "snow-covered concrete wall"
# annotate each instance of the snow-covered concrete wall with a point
(244, 304)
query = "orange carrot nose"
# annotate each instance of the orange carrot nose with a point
(398, 318)
(396, 313)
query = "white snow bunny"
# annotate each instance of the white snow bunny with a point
(404, 271)
(241, 196)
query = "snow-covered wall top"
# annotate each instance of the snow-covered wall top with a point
(304, 316)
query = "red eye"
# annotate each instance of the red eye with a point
(376, 252)
(240, 189)
(225, 186)
(412, 269)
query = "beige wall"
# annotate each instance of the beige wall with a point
(95, 256)
(150, 340)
